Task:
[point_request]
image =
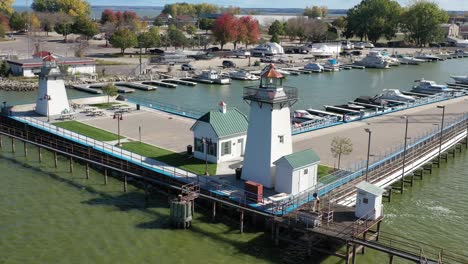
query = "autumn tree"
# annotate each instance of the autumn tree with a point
(233, 10)
(123, 39)
(108, 16)
(224, 29)
(341, 146)
(253, 30)
(421, 22)
(74, 8)
(316, 11)
(6, 6)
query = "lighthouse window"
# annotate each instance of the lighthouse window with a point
(226, 148)
(281, 139)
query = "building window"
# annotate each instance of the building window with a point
(226, 148)
(306, 171)
(198, 145)
(365, 200)
(281, 139)
(212, 149)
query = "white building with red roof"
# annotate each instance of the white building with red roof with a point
(32, 67)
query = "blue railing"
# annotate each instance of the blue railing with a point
(168, 108)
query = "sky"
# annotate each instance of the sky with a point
(456, 5)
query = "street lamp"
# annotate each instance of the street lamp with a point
(48, 98)
(118, 116)
(404, 154)
(441, 131)
(206, 142)
(368, 151)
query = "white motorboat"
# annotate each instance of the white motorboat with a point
(405, 59)
(314, 66)
(211, 76)
(332, 64)
(242, 75)
(374, 59)
(430, 87)
(460, 79)
(300, 116)
(394, 95)
(426, 56)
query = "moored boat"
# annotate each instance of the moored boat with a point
(242, 75)
(211, 76)
(460, 79)
(430, 87)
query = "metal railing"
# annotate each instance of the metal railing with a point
(270, 95)
(168, 108)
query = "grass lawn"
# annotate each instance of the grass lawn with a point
(105, 105)
(323, 171)
(87, 130)
(179, 160)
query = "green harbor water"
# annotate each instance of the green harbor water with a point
(51, 216)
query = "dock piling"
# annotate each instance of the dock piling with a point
(87, 171)
(55, 159)
(39, 154)
(125, 183)
(354, 253)
(1, 142)
(214, 211)
(13, 145)
(71, 164)
(105, 176)
(25, 148)
(242, 221)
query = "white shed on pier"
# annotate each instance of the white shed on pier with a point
(368, 201)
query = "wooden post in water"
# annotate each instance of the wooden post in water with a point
(39, 154)
(363, 250)
(390, 261)
(105, 176)
(13, 145)
(71, 164)
(354, 253)
(242, 221)
(87, 171)
(277, 234)
(1, 142)
(25, 148)
(214, 211)
(125, 183)
(55, 159)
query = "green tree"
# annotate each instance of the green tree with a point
(372, 19)
(276, 28)
(4, 69)
(123, 39)
(275, 38)
(340, 23)
(64, 28)
(176, 37)
(149, 39)
(2, 31)
(341, 146)
(205, 24)
(18, 21)
(85, 27)
(74, 8)
(109, 90)
(422, 22)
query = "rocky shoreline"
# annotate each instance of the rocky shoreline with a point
(17, 86)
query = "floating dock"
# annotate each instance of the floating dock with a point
(198, 80)
(86, 88)
(97, 88)
(160, 84)
(178, 81)
(135, 85)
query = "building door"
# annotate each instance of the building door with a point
(240, 146)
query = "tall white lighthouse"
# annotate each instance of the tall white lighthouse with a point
(51, 98)
(269, 131)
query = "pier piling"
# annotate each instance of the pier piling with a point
(13, 145)
(25, 148)
(214, 211)
(1, 142)
(71, 164)
(105, 176)
(354, 254)
(125, 183)
(39, 154)
(242, 221)
(87, 171)
(55, 160)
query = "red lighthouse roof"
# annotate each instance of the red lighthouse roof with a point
(271, 72)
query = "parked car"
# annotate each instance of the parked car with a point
(187, 67)
(356, 53)
(228, 64)
(368, 45)
(242, 53)
(434, 45)
(359, 45)
(213, 49)
(156, 51)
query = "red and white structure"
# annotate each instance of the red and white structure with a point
(51, 97)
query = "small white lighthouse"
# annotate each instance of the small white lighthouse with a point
(51, 98)
(269, 132)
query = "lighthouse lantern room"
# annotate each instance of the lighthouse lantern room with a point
(269, 131)
(51, 97)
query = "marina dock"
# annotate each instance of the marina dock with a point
(136, 85)
(179, 81)
(96, 88)
(159, 83)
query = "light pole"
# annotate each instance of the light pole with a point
(48, 98)
(118, 116)
(368, 151)
(441, 132)
(404, 154)
(206, 142)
